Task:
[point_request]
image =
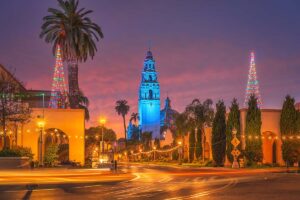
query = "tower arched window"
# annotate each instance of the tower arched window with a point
(150, 94)
(150, 77)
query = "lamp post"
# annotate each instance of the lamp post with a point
(235, 152)
(180, 151)
(102, 122)
(154, 149)
(41, 125)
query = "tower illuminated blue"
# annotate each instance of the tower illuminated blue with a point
(149, 98)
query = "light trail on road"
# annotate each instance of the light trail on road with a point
(148, 182)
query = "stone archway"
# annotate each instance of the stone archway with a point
(60, 138)
(270, 147)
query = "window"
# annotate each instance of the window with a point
(150, 94)
(150, 78)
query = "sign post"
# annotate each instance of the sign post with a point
(235, 152)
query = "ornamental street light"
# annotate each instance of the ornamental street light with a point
(41, 125)
(179, 151)
(154, 148)
(102, 122)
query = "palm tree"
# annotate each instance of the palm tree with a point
(181, 126)
(122, 108)
(134, 117)
(75, 33)
(199, 116)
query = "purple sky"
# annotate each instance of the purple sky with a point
(201, 49)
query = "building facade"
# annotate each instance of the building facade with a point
(63, 127)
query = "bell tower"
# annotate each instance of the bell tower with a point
(149, 98)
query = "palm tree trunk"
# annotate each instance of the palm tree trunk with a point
(73, 83)
(124, 122)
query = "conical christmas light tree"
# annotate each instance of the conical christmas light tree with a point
(252, 84)
(59, 98)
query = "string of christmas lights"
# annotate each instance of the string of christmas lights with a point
(252, 84)
(155, 150)
(291, 137)
(58, 98)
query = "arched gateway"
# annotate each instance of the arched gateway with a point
(66, 127)
(270, 135)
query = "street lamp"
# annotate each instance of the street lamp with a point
(154, 148)
(179, 150)
(41, 125)
(102, 122)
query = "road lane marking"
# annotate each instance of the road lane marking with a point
(205, 193)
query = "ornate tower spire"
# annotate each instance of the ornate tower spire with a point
(149, 98)
(252, 84)
(58, 97)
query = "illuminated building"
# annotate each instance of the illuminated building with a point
(149, 98)
(167, 115)
(69, 124)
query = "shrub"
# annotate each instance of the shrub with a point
(9, 153)
(17, 152)
(24, 152)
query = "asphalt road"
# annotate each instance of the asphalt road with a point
(153, 182)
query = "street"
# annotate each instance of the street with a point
(158, 182)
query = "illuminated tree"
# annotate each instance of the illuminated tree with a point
(58, 97)
(252, 84)
(13, 109)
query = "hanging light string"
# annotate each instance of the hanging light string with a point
(285, 137)
(156, 150)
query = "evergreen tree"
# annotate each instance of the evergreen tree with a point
(232, 122)
(253, 151)
(192, 145)
(288, 117)
(51, 155)
(199, 143)
(219, 134)
(289, 127)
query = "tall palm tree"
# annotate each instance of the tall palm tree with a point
(181, 125)
(71, 29)
(122, 108)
